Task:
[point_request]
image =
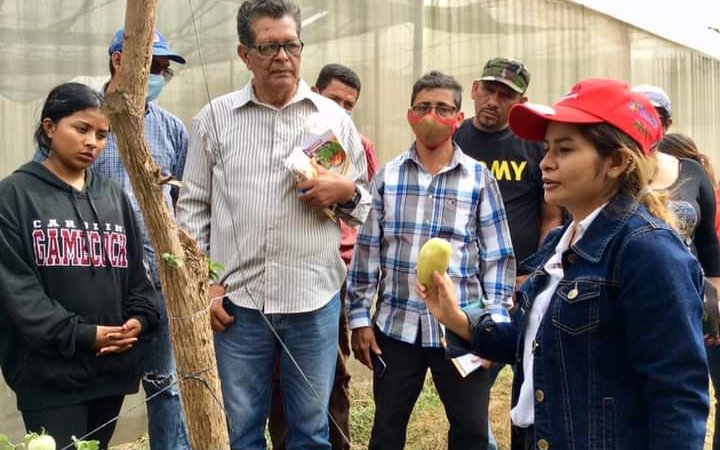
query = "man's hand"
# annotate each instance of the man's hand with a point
(326, 189)
(219, 318)
(363, 342)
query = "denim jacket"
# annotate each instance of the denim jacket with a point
(619, 357)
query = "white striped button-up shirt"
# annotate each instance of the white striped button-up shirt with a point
(239, 201)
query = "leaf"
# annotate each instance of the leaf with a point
(214, 269)
(85, 445)
(173, 261)
(5, 443)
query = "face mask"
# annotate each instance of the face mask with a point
(156, 83)
(430, 130)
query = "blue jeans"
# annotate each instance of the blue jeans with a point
(245, 355)
(166, 425)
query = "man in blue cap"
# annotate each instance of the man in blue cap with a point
(660, 100)
(167, 140)
(160, 71)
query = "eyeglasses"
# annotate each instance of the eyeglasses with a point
(270, 49)
(443, 110)
(157, 68)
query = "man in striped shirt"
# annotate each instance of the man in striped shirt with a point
(283, 271)
(342, 85)
(431, 190)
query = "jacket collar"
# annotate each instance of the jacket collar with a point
(594, 242)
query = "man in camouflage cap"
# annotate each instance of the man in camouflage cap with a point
(510, 72)
(514, 162)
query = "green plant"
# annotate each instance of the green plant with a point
(214, 269)
(43, 441)
(173, 261)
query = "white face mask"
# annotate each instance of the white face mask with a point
(156, 83)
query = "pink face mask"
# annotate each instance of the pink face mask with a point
(431, 130)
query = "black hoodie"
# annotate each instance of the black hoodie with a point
(53, 291)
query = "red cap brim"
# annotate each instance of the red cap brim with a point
(529, 120)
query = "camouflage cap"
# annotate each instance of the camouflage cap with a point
(510, 72)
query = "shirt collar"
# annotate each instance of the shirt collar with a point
(247, 95)
(584, 224)
(458, 158)
(576, 230)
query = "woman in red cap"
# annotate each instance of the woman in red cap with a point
(607, 342)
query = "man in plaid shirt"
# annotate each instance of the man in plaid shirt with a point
(431, 190)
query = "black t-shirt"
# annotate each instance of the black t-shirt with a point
(693, 204)
(515, 164)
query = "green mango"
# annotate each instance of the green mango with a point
(434, 255)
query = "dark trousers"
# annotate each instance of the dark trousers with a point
(64, 422)
(395, 393)
(522, 438)
(339, 397)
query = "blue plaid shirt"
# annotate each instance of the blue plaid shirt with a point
(167, 140)
(462, 204)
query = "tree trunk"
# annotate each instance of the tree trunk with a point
(182, 266)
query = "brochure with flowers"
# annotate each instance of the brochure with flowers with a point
(327, 151)
(322, 145)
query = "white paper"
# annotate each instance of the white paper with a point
(464, 364)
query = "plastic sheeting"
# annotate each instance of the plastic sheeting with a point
(388, 42)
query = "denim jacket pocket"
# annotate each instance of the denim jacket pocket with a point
(577, 310)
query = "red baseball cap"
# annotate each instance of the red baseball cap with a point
(595, 100)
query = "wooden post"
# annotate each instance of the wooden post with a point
(183, 275)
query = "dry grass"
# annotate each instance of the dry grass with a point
(428, 426)
(141, 444)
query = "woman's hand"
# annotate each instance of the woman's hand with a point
(117, 339)
(443, 304)
(103, 335)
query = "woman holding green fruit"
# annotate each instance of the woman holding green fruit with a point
(607, 336)
(74, 295)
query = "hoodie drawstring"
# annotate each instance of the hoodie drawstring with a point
(86, 234)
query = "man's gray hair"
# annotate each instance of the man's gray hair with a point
(252, 10)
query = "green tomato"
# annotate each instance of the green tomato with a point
(42, 442)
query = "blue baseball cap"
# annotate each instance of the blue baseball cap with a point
(160, 46)
(657, 96)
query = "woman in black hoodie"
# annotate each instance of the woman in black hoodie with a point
(74, 296)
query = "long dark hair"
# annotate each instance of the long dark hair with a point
(682, 146)
(62, 101)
